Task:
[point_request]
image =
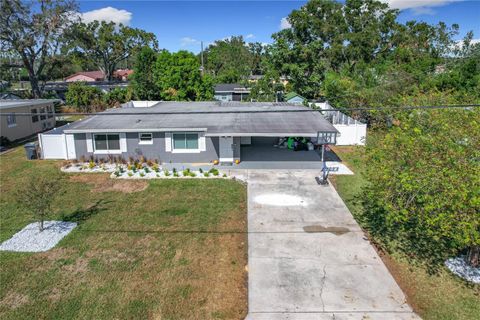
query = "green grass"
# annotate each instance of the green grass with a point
(175, 250)
(438, 296)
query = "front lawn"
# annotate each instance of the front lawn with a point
(163, 249)
(433, 296)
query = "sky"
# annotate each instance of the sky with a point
(181, 25)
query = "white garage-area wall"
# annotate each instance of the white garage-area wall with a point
(53, 146)
(353, 134)
(351, 131)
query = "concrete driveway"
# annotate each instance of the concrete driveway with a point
(307, 256)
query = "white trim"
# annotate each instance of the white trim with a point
(107, 152)
(123, 142)
(168, 142)
(225, 159)
(186, 151)
(89, 140)
(70, 146)
(145, 142)
(202, 145)
(135, 130)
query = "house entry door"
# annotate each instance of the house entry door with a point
(226, 149)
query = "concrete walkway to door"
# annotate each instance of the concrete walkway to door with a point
(307, 256)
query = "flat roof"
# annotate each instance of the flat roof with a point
(216, 118)
(17, 103)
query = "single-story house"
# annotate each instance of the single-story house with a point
(14, 126)
(293, 97)
(231, 92)
(93, 76)
(184, 132)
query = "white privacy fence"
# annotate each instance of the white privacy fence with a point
(351, 131)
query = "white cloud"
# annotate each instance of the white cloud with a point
(108, 14)
(188, 41)
(284, 24)
(250, 36)
(418, 6)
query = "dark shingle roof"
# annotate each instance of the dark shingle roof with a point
(216, 118)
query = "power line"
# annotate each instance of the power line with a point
(107, 113)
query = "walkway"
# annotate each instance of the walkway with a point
(308, 258)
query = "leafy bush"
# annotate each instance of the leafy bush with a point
(83, 97)
(142, 174)
(423, 195)
(130, 174)
(214, 171)
(186, 172)
(206, 174)
(91, 164)
(166, 173)
(146, 169)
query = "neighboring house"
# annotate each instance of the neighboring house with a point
(9, 96)
(182, 132)
(231, 92)
(350, 131)
(254, 78)
(93, 76)
(86, 76)
(15, 127)
(123, 74)
(293, 97)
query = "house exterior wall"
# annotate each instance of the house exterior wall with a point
(24, 125)
(156, 150)
(80, 77)
(223, 96)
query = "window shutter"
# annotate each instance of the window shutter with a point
(89, 143)
(201, 142)
(123, 142)
(168, 141)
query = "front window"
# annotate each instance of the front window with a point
(185, 141)
(42, 114)
(50, 111)
(145, 138)
(34, 115)
(11, 120)
(107, 142)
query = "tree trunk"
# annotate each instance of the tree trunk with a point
(41, 225)
(34, 84)
(473, 256)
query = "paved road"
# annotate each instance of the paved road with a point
(308, 258)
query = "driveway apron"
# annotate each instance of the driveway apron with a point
(307, 256)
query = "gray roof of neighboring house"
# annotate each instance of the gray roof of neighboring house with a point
(17, 103)
(231, 87)
(216, 118)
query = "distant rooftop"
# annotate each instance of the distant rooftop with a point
(231, 87)
(17, 103)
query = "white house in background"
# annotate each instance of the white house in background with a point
(14, 126)
(351, 131)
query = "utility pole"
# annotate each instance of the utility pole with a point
(202, 68)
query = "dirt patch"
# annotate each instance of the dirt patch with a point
(103, 183)
(14, 300)
(80, 266)
(338, 231)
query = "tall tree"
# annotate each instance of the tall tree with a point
(107, 44)
(36, 33)
(178, 77)
(143, 81)
(229, 60)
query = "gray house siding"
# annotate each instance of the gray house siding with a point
(156, 150)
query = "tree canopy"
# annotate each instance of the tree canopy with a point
(178, 77)
(107, 44)
(35, 33)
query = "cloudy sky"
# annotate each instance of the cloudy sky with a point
(183, 24)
